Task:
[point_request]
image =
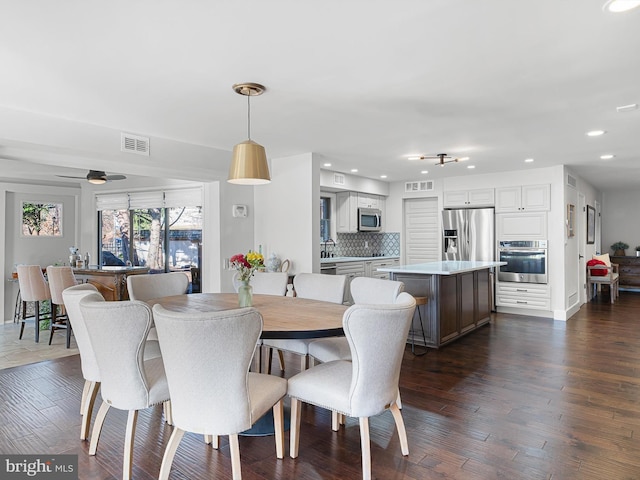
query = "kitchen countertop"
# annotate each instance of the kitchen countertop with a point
(442, 268)
(355, 259)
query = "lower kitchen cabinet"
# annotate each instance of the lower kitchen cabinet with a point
(457, 304)
(534, 296)
(364, 268)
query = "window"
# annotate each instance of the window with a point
(164, 238)
(325, 219)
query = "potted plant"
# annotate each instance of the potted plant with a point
(638, 251)
(619, 249)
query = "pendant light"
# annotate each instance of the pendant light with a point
(249, 160)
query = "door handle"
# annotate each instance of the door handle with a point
(580, 256)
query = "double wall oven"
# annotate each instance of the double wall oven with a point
(526, 261)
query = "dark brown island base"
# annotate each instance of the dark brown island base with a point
(458, 297)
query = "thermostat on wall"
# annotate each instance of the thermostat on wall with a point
(239, 210)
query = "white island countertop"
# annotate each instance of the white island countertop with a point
(442, 268)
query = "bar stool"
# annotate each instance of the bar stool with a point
(419, 302)
(60, 278)
(33, 288)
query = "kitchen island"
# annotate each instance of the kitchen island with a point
(110, 281)
(458, 297)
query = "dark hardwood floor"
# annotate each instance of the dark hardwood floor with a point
(522, 398)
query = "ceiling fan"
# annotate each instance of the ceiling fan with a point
(97, 177)
(441, 157)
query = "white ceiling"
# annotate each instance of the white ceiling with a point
(361, 83)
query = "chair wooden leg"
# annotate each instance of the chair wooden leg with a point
(278, 427)
(24, 315)
(212, 440)
(303, 362)
(335, 421)
(269, 360)
(236, 468)
(68, 333)
(294, 428)
(85, 391)
(52, 321)
(169, 453)
(129, 438)
(399, 400)
(402, 432)
(92, 393)
(365, 445)
(166, 409)
(281, 360)
(97, 427)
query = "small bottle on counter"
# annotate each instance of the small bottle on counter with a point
(87, 260)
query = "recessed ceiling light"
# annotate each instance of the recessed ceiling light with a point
(595, 133)
(607, 156)
(424, 172)
(528, 160)
(618, 6)
(471, 166)
(327, 164)
(354, 170)
(627, 108)
(383, 176)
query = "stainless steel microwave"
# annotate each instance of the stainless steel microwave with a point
(369, 220)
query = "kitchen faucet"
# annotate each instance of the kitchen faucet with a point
(324, 253)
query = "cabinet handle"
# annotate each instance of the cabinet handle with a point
(521, 290)
(519, 301)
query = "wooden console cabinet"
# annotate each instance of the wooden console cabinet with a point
(629, 270)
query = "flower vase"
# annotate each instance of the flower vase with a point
(245, 294)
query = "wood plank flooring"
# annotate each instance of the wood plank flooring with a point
(522, 398)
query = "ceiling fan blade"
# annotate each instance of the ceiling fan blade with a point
(115, 177)
(69, 176)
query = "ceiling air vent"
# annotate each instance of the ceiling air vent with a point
(338, 179)
(571, 181)
(423, 186)
(134, 144)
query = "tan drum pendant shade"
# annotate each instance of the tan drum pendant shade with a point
(249, 160)
(249, 164)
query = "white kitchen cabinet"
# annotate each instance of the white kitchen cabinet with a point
(525, 198)
(351, 270)
(371, 267)
(346, 212)
(347, 209)
(521, 226)
(482, 197)
(366, 200)
(533, 296)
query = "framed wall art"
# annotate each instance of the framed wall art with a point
(571, 220)
(41, 219)
(591, 225)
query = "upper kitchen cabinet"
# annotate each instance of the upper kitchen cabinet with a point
(366, 200)
(526, 198)
(482, 197)
(347, 204)
(346, 212)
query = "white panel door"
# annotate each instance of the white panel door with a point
(421, 231)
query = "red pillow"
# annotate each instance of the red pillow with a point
(597, 272)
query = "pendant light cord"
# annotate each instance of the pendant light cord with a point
(249, 115)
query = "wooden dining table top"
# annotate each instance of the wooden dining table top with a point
(283, 317)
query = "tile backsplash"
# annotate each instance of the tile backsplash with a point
(366, 244)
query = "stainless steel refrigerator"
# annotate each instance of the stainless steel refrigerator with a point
(469, 234)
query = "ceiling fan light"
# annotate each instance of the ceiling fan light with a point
(96, 177)
(97, 181)
(249, 164)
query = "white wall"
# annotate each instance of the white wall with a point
(352, 183)
(621, 219)
(30, 250)
(287, 210)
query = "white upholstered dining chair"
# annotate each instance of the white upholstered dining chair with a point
(314, 286)
(368, 384)
(155, 285)
(118, 333)
(33, 288)
(227, 340)
(72, 297)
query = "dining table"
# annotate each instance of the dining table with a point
(282, 317)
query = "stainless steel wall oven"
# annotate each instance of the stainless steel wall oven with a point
(526, 261)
